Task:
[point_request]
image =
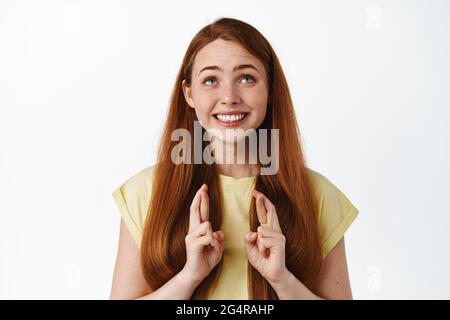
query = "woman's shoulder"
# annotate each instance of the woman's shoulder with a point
(137, 188)
(140, 181)
(323, 188)
(335, 210)
(319, 181)
(132, 198)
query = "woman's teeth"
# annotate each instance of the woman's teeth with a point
(230, 118)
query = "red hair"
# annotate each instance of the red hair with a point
(163, 251)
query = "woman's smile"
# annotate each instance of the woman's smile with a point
(230, 119)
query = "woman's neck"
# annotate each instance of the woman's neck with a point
(237, 170)
(233, 164)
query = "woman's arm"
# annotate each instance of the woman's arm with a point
(204, 250)
(266, 253)
(332, 283)
(129, 283)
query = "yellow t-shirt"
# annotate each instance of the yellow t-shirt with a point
(336, 214)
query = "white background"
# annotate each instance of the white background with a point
(84, 89)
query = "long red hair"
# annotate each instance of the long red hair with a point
(163, 251)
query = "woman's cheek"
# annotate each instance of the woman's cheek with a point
(261, 109)
(204, 117)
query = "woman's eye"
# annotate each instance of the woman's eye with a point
(212, 81)
(209, 82)
(248, 79)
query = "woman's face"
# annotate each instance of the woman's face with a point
(226, 79)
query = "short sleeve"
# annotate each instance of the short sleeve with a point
(335, 211)
(132, 198)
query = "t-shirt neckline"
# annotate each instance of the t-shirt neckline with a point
(236, 180)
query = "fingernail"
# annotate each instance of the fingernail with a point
(256, 193)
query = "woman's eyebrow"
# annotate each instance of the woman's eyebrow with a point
(239, 67)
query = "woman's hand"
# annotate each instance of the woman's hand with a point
(204, 248)
(266, 247)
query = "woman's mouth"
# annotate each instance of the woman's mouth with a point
(231, 120)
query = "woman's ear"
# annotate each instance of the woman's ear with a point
(187, 91)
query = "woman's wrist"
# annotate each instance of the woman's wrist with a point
(187, 279)
(289, 287)
(282, 283)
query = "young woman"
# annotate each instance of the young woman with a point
(223, 230)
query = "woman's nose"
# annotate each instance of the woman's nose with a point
(229, 95)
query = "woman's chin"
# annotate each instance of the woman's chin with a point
(229, 134)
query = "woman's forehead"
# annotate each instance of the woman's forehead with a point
(224, 54)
